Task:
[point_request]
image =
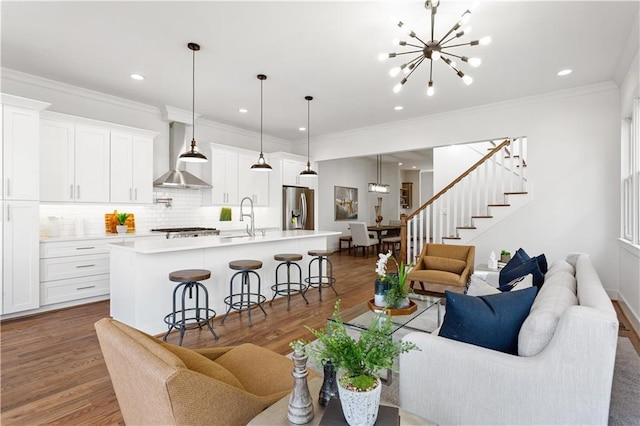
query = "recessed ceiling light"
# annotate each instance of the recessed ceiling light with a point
(302, 129)
(564, 72)
(400, 163)
(413, 167)
(398, 108)
(243, 110)
(137, 76)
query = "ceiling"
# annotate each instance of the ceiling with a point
(325, 49)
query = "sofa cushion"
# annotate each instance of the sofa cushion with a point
(557, 266)
(491, 321)
(528, 267)
(203, 365)
(446, 264)
(557, 294)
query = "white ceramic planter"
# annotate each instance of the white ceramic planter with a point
(360, 408)
(122, 229)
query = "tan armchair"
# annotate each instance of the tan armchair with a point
(159, 383)
(443, 267)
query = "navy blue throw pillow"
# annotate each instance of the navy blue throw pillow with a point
(542, 263)
(528, 267)
(491, 321)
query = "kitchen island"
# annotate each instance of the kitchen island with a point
(140, 288)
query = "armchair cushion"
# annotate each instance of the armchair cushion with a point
(444, 264)
(491, 321)
(203, 365)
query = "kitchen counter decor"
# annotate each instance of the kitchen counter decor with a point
(111, 222)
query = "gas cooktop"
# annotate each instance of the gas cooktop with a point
(187, 232)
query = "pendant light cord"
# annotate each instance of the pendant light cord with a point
(261, 81)
(193, 97)
(308, 128)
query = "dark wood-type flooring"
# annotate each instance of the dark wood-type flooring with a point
(52, 371)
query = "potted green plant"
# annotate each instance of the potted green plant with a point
(358, 362)
(505, 256)
(121, 227)
(395, 295)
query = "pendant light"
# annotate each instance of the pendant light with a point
(193, 155)
(261, 164)
(378, 186)
(308, 171)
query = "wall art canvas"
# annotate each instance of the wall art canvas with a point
(346, 203)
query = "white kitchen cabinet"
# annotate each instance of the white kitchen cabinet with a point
(131, 168)
(252, 183)
(72, 270)
(74, 162)
(20, 239)
(224, 177)
(291, 171)
(20, 140)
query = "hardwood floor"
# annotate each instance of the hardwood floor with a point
(52, 371)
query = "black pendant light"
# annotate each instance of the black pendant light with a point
(261, 164)
(308, 171)
(193, 155)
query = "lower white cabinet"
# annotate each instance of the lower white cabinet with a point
(20, 238)
(71, 270)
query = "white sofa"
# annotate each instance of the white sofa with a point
(567, 382)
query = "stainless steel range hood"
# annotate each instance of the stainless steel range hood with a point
(178, 177)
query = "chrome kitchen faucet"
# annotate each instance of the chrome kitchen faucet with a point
(251, 231)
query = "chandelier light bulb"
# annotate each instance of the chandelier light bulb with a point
(485, 41)
(467, 80)
(397, 88)
(430, 89)
(435, 55)
(474, 62)
(467, 30)
(465, 17)
(394, 71)
(383, 56)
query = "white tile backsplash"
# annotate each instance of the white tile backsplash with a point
(186, 210)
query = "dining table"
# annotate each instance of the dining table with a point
(379, 229)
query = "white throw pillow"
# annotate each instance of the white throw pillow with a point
(479, 287)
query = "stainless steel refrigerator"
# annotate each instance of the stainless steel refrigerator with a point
(297, 208)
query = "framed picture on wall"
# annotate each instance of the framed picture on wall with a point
(346, 200)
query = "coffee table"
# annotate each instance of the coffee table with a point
(277, 413)
(427, 306)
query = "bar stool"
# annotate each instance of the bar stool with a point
(321, 280)
(188, 279)
(248, 299)
(288, 288)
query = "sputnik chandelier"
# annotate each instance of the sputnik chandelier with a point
(434, 50)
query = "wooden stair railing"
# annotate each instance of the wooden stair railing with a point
(477, 189)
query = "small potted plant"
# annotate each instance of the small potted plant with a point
(505, 256)
(121, 227)
(358, 362)
(396, 292)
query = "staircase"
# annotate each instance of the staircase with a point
(477, 200)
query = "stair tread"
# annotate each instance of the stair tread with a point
(516, 193)
(499, 205)
(466, 227)
(481, 217)
(451, 238)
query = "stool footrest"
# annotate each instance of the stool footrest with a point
(251, 299)
(172, 319)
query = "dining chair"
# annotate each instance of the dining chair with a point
(360, 237)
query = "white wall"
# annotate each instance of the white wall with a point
(573, 157)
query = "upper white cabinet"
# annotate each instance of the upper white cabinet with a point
(20, 138)
(131, 168)
(94, 162)
(251, 183)
(224, 177)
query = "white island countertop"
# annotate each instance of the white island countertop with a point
(179, 244)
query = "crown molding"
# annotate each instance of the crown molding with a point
(170, 114)
(21, 77)
(19, 101)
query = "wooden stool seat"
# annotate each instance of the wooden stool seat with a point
(320, 252)
(186, 275)
(239, 265)
(290, 257)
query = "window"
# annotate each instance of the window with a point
(630, 167)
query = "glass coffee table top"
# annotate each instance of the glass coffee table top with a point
(425, 318)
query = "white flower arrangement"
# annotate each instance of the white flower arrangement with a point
(397, 288)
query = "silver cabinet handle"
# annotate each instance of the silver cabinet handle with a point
(85, 266)
(8, 213)
(71, 192)
(85, 248)
(84, 288)
(135, 194)
(8, 187)
(78, 192)
(130, 195)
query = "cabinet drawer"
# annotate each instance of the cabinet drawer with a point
(60, 268)
(75, 248)
(72, 289)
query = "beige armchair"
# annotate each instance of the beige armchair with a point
(442, 267)
(159, 383)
